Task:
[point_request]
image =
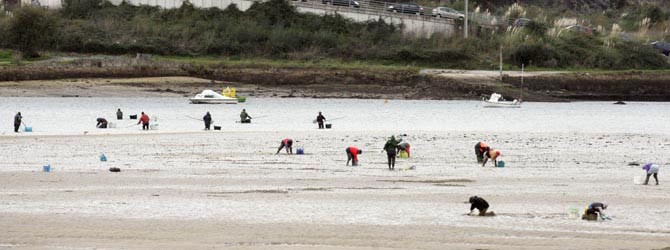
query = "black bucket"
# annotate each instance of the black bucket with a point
(217, 127)
(133, 117)
(329, 126)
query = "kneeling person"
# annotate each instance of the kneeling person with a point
(480, 204)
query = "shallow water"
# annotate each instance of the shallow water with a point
(76, 115)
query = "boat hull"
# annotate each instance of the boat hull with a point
(488, 104)
(213, 101)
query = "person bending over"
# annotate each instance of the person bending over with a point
(480, 204)
(102, 123)
(493, 155)
(594, 211)
(481, 149)
(352, 155)
(288, 143)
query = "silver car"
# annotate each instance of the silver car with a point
(447, 12)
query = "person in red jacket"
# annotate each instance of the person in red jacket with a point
(288, 143)
(352, 155)
(144, 119)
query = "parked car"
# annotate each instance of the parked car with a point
(447, 13)
(580, 29)
(663, 47)
(522, 22)
(409, 8)
(350, 3)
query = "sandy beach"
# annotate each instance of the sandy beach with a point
(227, 189)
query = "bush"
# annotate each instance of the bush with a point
(30, 29)
(274, 29)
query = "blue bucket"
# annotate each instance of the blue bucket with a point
(501, 164)
(28, 129)
(103, 157)
(300, 151)
(46, 168)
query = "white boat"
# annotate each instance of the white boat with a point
(211, 97)
(496, 101)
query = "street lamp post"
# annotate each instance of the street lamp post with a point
(465, 26)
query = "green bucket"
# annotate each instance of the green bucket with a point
(501, 164)
(241, 99)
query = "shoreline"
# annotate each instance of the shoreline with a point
(124, 77)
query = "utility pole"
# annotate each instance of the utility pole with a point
(465, 26)
(501, 64)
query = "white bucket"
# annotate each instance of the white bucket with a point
(111, 125)
(153, 126)
(638, 180)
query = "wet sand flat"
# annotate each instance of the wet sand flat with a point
(228, 190)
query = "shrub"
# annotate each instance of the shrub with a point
(30, 29)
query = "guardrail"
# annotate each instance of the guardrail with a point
(382, 9)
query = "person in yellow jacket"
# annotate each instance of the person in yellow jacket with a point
(492, 154)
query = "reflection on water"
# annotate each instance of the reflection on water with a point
(76, 115)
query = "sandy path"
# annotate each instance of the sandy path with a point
(225, 189)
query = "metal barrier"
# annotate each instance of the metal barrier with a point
(382, 9)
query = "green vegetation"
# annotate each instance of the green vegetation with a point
(5, 57)
(29, 30)
(279, 63)
(274, 34)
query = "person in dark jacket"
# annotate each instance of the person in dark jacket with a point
(480, 150)
(244, 117)
(594, 211)
(208, 120)
(288, 143)
(391, 147)
(352, 155)
(480, 204)
(102, 123)
(17, 122)
(320, 119)
(119, 114)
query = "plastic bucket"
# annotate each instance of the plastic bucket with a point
(638, 180)
(111, 125)
(103, 157)
(46, 168)
(28, 129)
(217, 127)
(300, 151)
(241, 99)
(403, 155)
(329, 126)
(501, 164)
(133, 117)
(153, 126)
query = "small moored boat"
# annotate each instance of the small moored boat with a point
(496, 101)
(211, 97)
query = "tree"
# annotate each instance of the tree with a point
(30, 30)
